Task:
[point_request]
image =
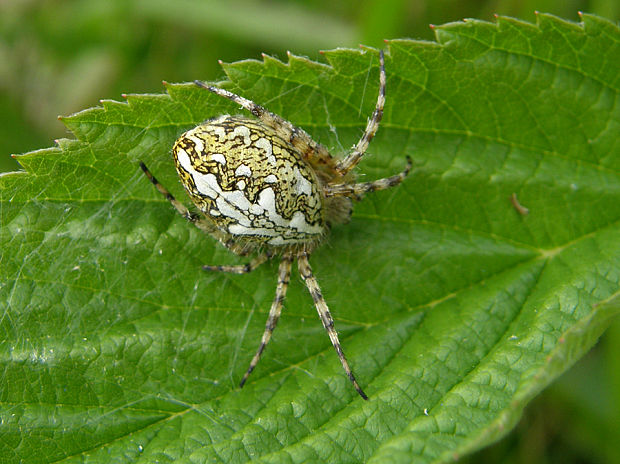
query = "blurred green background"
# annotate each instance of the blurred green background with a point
(58, 57)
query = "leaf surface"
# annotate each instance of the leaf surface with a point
(453, 307)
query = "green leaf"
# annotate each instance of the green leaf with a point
(453, 307)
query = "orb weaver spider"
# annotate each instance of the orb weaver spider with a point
(265, 186)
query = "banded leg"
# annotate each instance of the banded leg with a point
(351, 160)
(296, 136)
(194, 218)
(199, 221)
(356, 190)
(241, 268)
(326, 318)
(284, 274)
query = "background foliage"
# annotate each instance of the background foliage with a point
(61, 57)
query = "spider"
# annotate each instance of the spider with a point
(265, 186)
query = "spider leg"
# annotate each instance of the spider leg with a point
(348, 163)
(294, 135)
(241, 268)
(284, 273)
(200, 222)
(203, 224)
(319, 302)
(356, 190)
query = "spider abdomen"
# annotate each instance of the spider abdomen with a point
(250, 182)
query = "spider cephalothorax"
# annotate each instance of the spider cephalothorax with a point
(263, 185)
